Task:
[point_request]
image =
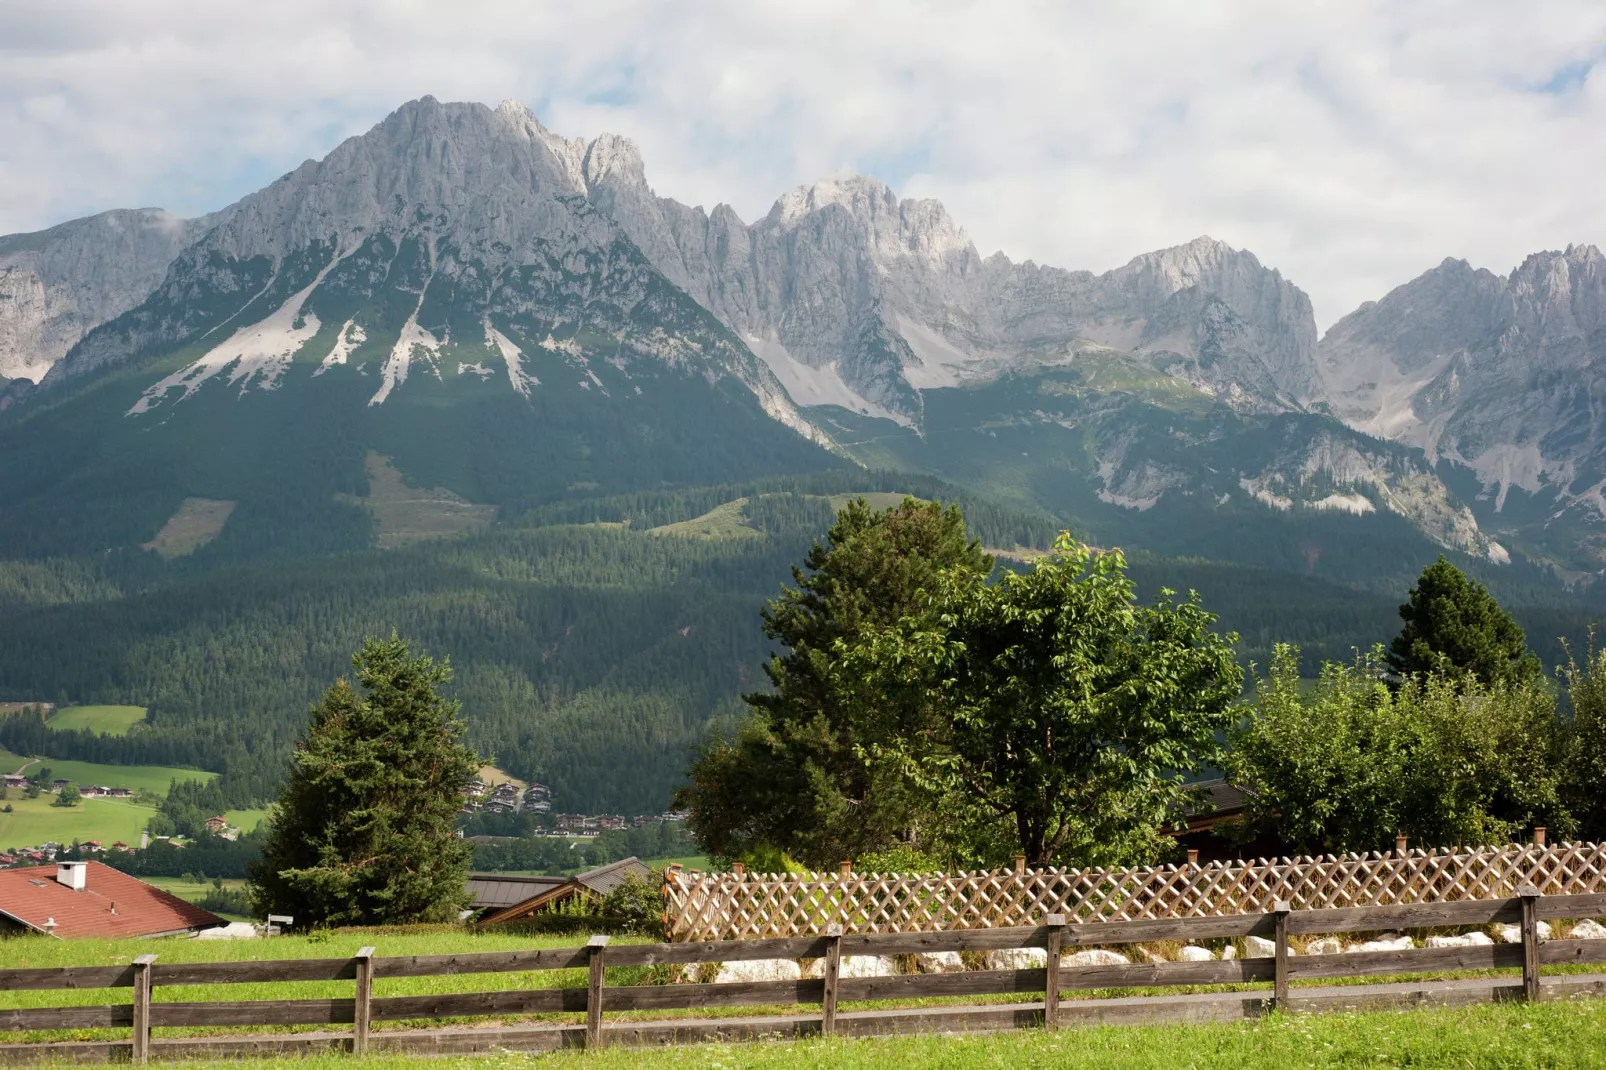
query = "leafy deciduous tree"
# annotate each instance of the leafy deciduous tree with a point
(794, 778)
(1351, 763)
(363, 832)
(1050, 711)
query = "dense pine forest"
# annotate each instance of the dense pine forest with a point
(591, 651)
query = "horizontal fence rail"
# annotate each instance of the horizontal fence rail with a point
(727, 906)
(1044, 981)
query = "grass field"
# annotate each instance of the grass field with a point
(33, 821)
(721, 522)
(103, 720)
(197, 522)
(155, 778)
(1506, 1035)
(407, 514)
(244, 820)
(1562, 1036)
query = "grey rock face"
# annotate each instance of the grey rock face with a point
(57, 284)
(485, 207)
(1496, 374)
(857, 298)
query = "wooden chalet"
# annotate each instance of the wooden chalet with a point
(509, 896)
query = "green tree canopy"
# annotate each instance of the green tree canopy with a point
(1050, 711)
(1585, 784)
(794, 778)
(1454, 626)
(1351, 763)
(70, 796)
(363, 832)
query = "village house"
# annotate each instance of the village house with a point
(509, 897)
(88, 899)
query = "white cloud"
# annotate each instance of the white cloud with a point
(1350, 145)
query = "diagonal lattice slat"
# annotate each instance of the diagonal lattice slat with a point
(723, 906)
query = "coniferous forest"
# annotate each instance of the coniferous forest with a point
(591, 652)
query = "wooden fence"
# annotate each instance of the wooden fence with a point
(727, 906)
(1045, 985)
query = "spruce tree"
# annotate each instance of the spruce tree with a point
(1454, 626)
(363, 831)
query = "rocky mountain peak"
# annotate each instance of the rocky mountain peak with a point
(614, 159)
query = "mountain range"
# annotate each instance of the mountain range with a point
(461, 317)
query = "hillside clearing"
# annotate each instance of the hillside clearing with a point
(33, 821)
(721, 522)
(197, 522)
(409, 514)
(102, 720)
(154, 778)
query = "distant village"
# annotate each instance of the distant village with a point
(481, 798)
(507, 798)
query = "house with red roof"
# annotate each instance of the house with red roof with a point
(89, 899)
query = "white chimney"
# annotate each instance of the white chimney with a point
(72, 874)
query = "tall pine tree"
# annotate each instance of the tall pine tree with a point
(363, 832)
(1454, 627)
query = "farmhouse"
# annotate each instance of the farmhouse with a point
(84, 899)
(508, 897)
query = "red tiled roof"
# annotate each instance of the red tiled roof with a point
(32, 895)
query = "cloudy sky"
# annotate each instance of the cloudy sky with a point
(1352, 146)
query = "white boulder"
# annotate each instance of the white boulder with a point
(1384, 942)
(1229, 953)
(754, 970)
(1324, 945)
(1019, 958)
(234, 930)
(940, 962)
(868, 966)
(1512, 934)
(1096, 956)
(1190, 953)
(1464, 940)
(1589, 929)
(1258, 947)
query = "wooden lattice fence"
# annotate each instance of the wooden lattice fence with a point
(723, 906)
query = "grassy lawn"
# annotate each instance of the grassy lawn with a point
(155, 778)
(103, 720)
(244, 820)
(1553, 1035)
(1547, 1035)
(189, 890)
(33, 821)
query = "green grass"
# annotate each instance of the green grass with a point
(1561, 1035)
(721, 522)
(1558, 1035)
(156, 778)
(103, 720)
(686, 862)
(33, 821)
(244, 820)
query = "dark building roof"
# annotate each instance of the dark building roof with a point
(110, 904)
(599, 881)
(498, 890)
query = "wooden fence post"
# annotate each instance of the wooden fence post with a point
(140, 1050)
(362, 1009)
(595, 948)
(1530, 941)
(1051, 988)
(1279, 982)
(833, 974)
